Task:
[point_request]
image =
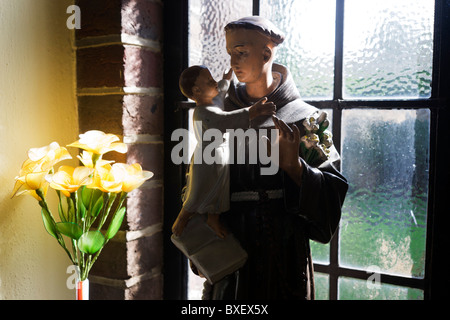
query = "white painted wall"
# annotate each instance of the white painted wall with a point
(37, 106)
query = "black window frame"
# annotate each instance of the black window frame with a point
(435, 281)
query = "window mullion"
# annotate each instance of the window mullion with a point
(256, 7)
(337, 95)
(339, 49)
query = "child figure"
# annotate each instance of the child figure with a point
(207, 185)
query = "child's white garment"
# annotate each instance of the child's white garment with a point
(207, 185)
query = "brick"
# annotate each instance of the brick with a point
(123, 260)
(144, 208)
(150, 156)
(142, 19)
(101, 113)
(119, 66)
(151, 289)
(134, 17)
(143, 115)
(143, 67)
(104, 292)
(144, 254)
(99, 18)
(100, 67)
(112, 262)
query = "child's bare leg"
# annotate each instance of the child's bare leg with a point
(214, 222)
(181, 221)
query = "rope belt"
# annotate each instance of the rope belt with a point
(257, 196)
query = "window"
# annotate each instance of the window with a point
(370, 65)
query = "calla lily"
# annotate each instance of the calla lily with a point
(134, 177)
(310, 124)
(36, 154)
(69, 179)
(87, 158)
(98, 142)
(119, 177)
(29, 183)
(323, 152)
(322, 117)
(310, 140)
(30, 178)
(32, 174)
(78, 215)
(327, 138)
(49, 155)
(106, 179)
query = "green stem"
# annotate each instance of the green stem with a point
(71, 214)
(108, 205)
(60, 239)
(74, 197)
(95, 158)
(86, 269)
(91, 197)
(123, 195)
(91, 262)
(105, 213)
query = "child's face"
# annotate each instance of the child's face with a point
(207, 85)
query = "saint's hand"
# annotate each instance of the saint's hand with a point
(288, 147)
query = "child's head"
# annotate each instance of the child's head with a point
(196, 83)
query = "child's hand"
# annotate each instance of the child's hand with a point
(262, 108)
(227, 75)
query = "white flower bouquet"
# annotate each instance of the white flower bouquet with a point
(316, 143)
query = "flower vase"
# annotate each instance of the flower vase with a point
(82, 289)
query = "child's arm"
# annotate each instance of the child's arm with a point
(215, 117)
(227, 75)
(261, 108)
(224, 84)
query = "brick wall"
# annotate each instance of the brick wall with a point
(120, 91)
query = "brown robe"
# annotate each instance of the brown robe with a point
(276, 232)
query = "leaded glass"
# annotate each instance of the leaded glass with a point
(354, 289)
(388, 48)
(308, 50)
(321, 286)
(385, 156)
(320, 252)
(207, 18)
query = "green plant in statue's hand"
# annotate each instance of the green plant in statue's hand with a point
(316, 143)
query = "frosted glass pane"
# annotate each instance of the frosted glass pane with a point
(207, 18)
(320, 252)
(354, 289)
(308, 50)
(321, 286)
(195, 285)
(388, 48)
(385, 156)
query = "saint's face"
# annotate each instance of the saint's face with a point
(206, 83)
(245, 48)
